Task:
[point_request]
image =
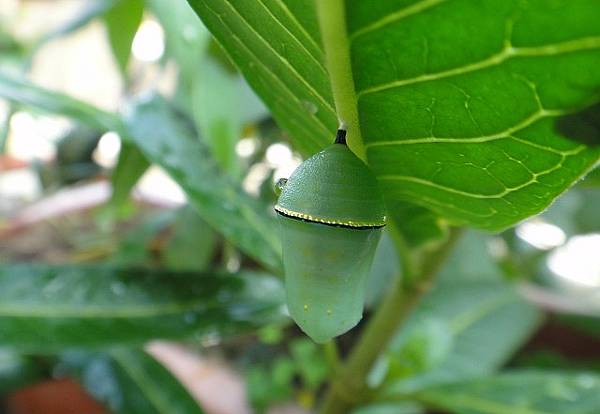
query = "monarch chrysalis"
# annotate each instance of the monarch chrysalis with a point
(331, 213)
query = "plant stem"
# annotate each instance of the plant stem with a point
(350, 385)
(332, 356)
(332, 21)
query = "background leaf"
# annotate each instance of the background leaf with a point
(25, 93)
(520, 392)
(122, 21)
(131, 165)
(131, 381)
(454, 334)
(276, 45)
(168, 139)
(47, 308)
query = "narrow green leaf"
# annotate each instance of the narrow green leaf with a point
(193, 243)
(130, 381)
(186, 37)
(5, 128)
(25, 93)
(215, 108)
(462, 329)
(276, 46)
(167, 139)
(520, 392)
(132, 164)
(46, 308)
(122, 21)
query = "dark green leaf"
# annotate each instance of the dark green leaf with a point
(46, 308)
(129, 381)
(122, 21)
(587, 217)
(16, 371)
(462, 329)
(167, 139)
(592, 179)
(520, 392)
(418, 226)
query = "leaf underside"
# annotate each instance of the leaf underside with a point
(462, 103)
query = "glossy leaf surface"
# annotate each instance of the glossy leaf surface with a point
(47, 307)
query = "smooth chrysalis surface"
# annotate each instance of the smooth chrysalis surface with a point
(331, 213)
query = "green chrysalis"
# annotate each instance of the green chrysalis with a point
(331, 213)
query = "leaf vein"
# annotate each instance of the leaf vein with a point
(291, 67)
(395, 17)
(494, 60)
(300, 44)
(499, 195)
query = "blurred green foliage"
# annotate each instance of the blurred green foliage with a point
(209, 271)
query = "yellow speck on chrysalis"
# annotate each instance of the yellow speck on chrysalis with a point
(305, 307)
(329, 312)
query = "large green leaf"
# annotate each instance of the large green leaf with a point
(47, 308)
(167, 139)
(520, 392)
(129, 381)
(463, 105)
(462, 329)
(468, 127)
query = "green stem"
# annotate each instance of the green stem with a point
(350, 385)
(332, 21)
(332, 357)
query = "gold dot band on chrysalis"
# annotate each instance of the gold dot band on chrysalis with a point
(330, 222)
